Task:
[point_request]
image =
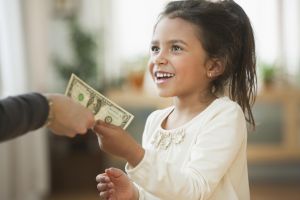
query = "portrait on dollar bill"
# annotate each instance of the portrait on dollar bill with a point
(94, 104)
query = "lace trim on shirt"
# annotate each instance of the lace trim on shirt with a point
(164, 138)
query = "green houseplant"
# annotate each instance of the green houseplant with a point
(84, 48)
(267, 73)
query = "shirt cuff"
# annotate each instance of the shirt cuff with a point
(130, 169)
(142, 174)
(140, 191)
(138, 173)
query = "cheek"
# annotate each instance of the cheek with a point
(151, 68)
(190, 74)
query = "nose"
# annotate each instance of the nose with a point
(160, 59)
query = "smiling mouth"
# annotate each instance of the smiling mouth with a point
(160, 76)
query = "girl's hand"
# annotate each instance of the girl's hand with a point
(116, 141)
(114, 184)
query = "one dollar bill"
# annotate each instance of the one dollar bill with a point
(102, 108)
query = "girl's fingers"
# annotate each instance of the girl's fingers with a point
(98, 177)
(104, 195)
(111, 194)
(103, 178)
(97, 130)
(102, 187)
(104, 128)
(103, 124)
(114, 172)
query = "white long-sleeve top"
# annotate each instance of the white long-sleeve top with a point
(203, 159)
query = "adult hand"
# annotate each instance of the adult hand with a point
(114, 140)
(114, 184)
(69, 117)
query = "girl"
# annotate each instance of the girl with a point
(201, 51)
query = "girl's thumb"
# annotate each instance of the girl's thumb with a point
(114, 172)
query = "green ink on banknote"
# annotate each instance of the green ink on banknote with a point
(80, 97)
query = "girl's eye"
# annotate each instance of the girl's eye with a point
(154, 49)
(176, 48)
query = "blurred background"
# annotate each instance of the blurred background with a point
(106, 42)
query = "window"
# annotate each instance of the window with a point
(277, 32)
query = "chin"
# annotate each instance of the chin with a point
(165, 94)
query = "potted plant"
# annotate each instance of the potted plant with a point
(84, 49)
(267, 73)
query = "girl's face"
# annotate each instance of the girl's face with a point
(178, 61)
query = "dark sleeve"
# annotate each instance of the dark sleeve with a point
(22, 113)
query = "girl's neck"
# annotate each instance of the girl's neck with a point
(186, 108)
(193, 103)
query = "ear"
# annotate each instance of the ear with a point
(215, 68)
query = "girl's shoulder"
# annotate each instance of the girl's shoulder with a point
(225, 103)
(224, 107)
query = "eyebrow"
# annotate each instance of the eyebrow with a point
(170, 42)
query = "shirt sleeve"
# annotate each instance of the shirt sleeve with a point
(213, 152)
(144, 195)
(22, 113)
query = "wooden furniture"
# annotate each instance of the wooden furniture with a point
(281, 107)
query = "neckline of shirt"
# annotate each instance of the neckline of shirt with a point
(170, 109)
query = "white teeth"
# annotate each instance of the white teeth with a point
(164, 75)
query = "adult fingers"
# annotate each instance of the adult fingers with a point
(90, 121)
(59, 129)
(82, 131)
